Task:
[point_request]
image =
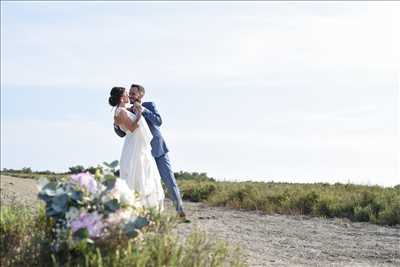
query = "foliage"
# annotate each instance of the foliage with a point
(76, 169)
(26, 238)
(90, 220)
(202, 176)
(50, 176)
(27, 170)
(356, 202)
(197, 191)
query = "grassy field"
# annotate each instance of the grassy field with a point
(358, 203)
(25, 240)
(33, 175)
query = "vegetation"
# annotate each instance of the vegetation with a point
(35, 175)
(373, 204)
(361, 203)
(27, 172)
(202, 176)
(25, 240)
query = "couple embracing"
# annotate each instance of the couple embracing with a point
(144, 159)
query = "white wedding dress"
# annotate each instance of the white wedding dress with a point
(138, 167)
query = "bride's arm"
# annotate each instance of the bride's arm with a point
(123, 119)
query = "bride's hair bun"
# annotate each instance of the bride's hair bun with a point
(113, 101)
(115, 95)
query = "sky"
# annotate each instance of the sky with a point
(263, 91)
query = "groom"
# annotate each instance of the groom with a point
(159, 149)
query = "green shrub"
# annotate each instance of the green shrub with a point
(390, 215)
(322, 208)
(197, 191)
(359, 203)
(193, 176)
(26, 241)
(362, 214)
(49, 175)
(304, 202)
(24, 236)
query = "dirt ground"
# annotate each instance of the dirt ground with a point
(270, 240)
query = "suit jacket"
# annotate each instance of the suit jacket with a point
(154, 121)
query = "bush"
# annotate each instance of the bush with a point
(91, 170)
(197, 191)
(76, 169)
(304, 203)
(390, 215)
(193, 176)
(24, 236)
(26, 241)
(27, 170)
(362, 214)
(358, 203)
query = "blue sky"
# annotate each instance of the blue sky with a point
(296, 91)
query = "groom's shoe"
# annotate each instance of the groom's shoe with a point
(182, 217)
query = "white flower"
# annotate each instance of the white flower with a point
(105, 198)
(120, 216)
(126, 194)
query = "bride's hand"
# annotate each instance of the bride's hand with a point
(138, 108)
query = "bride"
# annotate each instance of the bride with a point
(137, 166)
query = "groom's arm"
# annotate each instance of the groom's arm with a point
(150, 112)
(118, 131)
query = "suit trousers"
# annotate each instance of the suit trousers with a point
(168, 177)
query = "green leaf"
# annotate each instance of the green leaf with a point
(49, 190)
(109, 181)
(140, 222)
(50, 212)
(112, 205)
(82, 233)
(76, 195)
(130, 230)
(132, 227)
(114, 164)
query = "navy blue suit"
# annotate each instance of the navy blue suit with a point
(159, 151)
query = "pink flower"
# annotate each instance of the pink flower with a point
(86, 180)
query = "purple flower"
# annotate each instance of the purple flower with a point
(91, 221)
(86, 180)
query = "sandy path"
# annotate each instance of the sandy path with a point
(279, 240)
(272, 240)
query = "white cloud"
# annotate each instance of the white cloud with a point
(98, 50)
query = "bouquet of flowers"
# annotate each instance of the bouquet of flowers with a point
(86, 207)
